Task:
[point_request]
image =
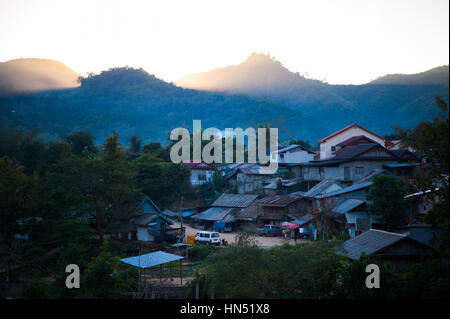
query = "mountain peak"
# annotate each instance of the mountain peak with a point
(259, 58)
(259, 73)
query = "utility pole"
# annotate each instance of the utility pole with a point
(181, 215)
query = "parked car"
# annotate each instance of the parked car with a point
(207, 237)
(272, 230)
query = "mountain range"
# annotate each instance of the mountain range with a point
(256, 91)
(24, 75)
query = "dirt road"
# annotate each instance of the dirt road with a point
(264, 242)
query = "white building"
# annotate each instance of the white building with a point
(201, 173)
(329, 144)
(294, 154)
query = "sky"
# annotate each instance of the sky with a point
(339, 41)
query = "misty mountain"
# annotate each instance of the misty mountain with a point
(131, 101)
(434, 76)
(259, 74)
(389, 100)
(24, 75)
(257, 91)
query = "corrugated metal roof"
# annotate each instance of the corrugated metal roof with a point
(372, 174)
(292, 147)
(346, 190)
(146, 219)
(234, 200)
(199, 165)
(278, 200)
(369, 242)
(216, 213)
(249, 213)
(149, 200)
(355, 139)
(303, 219)
(272, 185)
(151, 259)
(354, 150)
(321, 187)
(285, 182)
(348, 205)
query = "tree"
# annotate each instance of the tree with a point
(104, 277)
(37, 288)
(135, 148)
(56, 151)
(432, 139)
(80, 141)
(117, 183)
(31, 153)
(17, 200)
(300, 142)
(387, 194)
(163, 182)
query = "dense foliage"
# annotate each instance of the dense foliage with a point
(386, 196)
(308, 271)
(59, 199)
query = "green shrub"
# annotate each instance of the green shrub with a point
(200, 252)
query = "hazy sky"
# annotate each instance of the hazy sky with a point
(341, 41)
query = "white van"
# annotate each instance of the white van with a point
(207, 237)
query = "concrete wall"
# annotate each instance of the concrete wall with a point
(338, 172)
(295, 156)
(197, 174)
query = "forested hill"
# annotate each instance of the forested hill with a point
(389, 100)
(132, 101)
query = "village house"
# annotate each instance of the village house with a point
(355, 216)
(358, 190)
(292, 154)
(201, 173)
(223, 211)
(245, 178)
(146, 223)
(276, 208)
(307, 198)
(401, 145)
(350, 163)
(418, 204)
(407, 166)
(399, 250)
(328, 202)
(333, 142)
(278, 185)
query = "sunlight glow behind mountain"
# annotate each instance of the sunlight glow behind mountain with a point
(347, 41)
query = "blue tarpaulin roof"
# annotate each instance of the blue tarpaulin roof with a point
(392, 165)
(151, 259)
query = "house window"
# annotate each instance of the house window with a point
(347, 173)
(201, 176)
(333, 148)
(359, 170)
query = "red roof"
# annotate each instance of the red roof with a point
(387, 142)
(356, 140)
